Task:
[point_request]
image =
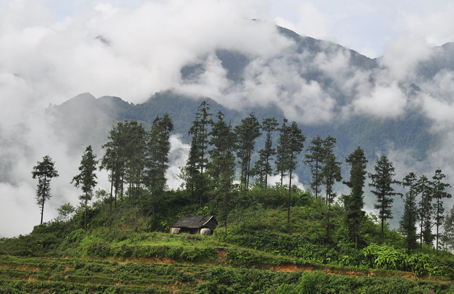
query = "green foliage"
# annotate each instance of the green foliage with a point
(247, 133)
(354, 203)
(259, 238)
(439, 193)
(448, 228)
(262, 167)
(390, 258)
(65, 212)
(157, 158)
(409, 217)
(382, 184)
(425, 211)
(197, 162)
(314, 158)
(86, 178)
(44, 171)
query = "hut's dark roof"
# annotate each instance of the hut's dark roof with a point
(194, 222)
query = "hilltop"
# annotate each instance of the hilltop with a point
(260, 253)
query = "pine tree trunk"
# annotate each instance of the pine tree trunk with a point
(282, 178)
(247, 170)
(85, 215)
(42, 212)
(420, 235)
(437, 219)
(266, 175)
(116, 193)
(327, 224)
(226, 213)
(153, 203)
(316, 181)
(110, 202)
(289, 196)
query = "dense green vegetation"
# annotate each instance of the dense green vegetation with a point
(137, 255)
(280, 239)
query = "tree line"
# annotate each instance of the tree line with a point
(221, 154)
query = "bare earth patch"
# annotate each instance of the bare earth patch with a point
(222, 256)
(287, 268)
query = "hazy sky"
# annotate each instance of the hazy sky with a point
(53, 50)
(366, 26)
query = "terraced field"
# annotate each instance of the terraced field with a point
(74, 275)
(58, 275)
(257, 256)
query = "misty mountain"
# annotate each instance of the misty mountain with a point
(86, 120)
(441, 60)
(326, 88)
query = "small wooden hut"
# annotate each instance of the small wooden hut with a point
(195, 224)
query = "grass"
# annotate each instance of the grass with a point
(75, 275)
(261, 254)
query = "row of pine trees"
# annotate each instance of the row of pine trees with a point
(221, 154)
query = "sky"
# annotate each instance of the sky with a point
(366, 26)
(52, 50)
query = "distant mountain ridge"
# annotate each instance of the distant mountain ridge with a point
(371, 134)
(375, 135)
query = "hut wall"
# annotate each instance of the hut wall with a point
(211, 225)
(174, 230)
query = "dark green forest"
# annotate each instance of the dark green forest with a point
(271, 238)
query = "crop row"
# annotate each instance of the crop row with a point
(63, 275)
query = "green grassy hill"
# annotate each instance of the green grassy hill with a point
(131, 251)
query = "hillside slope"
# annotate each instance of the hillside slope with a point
(260, 254)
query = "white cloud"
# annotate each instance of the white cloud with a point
(309, 105)
(211, 83)
(311, 22)
(386, 101)
(437, 27)
(276, 179)
(18, 209)
(178, 156)
(402, 56)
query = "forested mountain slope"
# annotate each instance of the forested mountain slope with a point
(84, 120)
(336, 73)
(315, 62)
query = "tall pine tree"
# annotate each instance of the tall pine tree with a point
(222, 166)
(198, 153)
(314, 157)
(382, 184)
(225, 190)
(114, 161)
(281, 151)
(134, 145)
(354, 202)
(439, 193)
(448, 230)
(262, 168)
(409, 217)
(86, 179)
(157, 159)
(221, 139)
(331, 174)
(295, 146)
(44, 171)
(425, 210)
(247, 132)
